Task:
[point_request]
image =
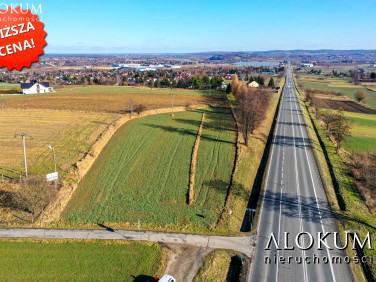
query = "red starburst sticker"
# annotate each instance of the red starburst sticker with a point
(22, 38)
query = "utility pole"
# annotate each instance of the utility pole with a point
(53, 150)
(172, 104)
(24, 136)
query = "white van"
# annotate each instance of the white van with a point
(167, 278)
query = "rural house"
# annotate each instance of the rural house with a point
(223, 85)
(36, 88)
(253, 84)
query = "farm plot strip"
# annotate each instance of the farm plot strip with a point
(192, 174)
(337, 85)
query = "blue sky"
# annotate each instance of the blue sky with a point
(190, 26)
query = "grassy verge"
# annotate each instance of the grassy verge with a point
(352, 214)
(216, 267)
(248, 162)
(76, 260)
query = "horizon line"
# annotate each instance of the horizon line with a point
(200, 52)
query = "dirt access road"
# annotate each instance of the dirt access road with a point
(186, 251)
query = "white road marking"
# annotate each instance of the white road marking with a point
(280, 197)
(298, 193)
(314, 189)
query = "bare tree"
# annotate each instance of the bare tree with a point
(235, 85)
(327, 117)
(363, 169)
(252, 107)
(140, 108)
(360, 96)
(368, 171)
(34, 195)
(130, 106)
(340, 128)
(315, 106)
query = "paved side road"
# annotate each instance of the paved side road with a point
(239, 244)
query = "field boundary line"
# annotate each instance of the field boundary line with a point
(192, 173)
(54, 210)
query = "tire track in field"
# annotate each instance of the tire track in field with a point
(209, 172)
(205, 174)
(217, 150)
(192, 172)
(118, 160)
(170, 166)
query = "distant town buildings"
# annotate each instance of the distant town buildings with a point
(306, 65)
(140, 67)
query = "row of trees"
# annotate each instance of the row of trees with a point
(364, 169)
(196, 82)
(336, 123)
(259, 79)
(252, 106)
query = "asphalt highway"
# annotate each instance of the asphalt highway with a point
(293, 202)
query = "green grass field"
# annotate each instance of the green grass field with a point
(58, 260)
(7, 86)
(337, 85)
(105, 89)
(363, 133)
(342, 68)
(143, 173)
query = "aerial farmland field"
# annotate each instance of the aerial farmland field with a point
(341, 67)
(110, 98)
(70, 133)
(143, 173)
(49, 260)
(98, 89)
(363, 133)
(8, 86)
(337, 85)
